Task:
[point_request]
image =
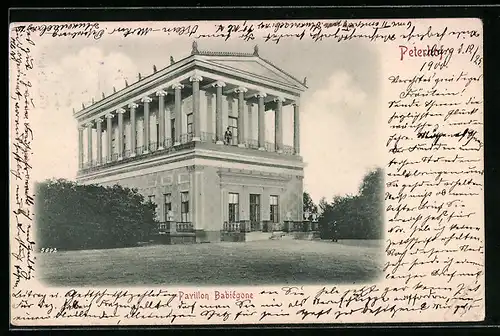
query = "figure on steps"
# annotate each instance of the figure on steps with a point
(228, 136)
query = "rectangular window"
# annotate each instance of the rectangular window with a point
(168, 206)
(233, 127)
(185, 207)
(158, 134)
(274, 210)
(234, 208)
(172, 129)
(113, 144)
(134, 145)
(190, 123)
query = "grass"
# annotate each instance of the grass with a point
(250, 263)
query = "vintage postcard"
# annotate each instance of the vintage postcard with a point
(246, 172)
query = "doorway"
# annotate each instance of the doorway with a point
(254, 212)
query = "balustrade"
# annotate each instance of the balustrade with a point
(184, 227)
(175, 227)
(186, 141)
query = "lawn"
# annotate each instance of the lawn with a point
(250, 263)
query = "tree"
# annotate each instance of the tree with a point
(325, 219)
(309, 205)
(371, 197)
(355, 216)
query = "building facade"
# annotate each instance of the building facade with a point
(167, 135)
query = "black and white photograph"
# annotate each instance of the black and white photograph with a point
(186, 161)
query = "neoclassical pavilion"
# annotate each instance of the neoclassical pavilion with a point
(167, 136)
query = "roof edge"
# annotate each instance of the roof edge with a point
(301, 83)
(133, 86)
(223, 53)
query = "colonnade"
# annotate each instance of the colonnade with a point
(195, 135)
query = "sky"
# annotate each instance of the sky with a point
(340, 112)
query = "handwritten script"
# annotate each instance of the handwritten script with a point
(434, 177)
(21, 138)
(433, 134)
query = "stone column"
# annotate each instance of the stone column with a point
(120, 113)
(133, 126)
(178, 113)
(219, 132)
(109, 133)
(89, 143)
(250, 120)
(262, 121)
(99, 140)
(80, 147)
(241, 115)
(296, 129)
(210, 126)
(278, 125)
(146, 100)
(196, 79)
(161, 116)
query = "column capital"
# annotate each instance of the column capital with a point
(219, 84)
(241, 89)
(177, 86)
(120, 110)
(296, 103)
(279, 99)
(195, 78)
(88, 124)
(261, 95)
(161, 93)
(146, 100)
(99, 120)
(132, 105)
(109, 115)
(81, 127)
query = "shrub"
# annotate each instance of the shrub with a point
(70, 216)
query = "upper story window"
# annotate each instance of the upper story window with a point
(233, 128)
(190, 123)
(158, 133)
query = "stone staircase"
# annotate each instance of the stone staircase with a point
(279, 235)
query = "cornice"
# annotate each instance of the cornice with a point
(249, 76)
(254, 174)
(180, 68)
(189, 153)
(224, 53)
